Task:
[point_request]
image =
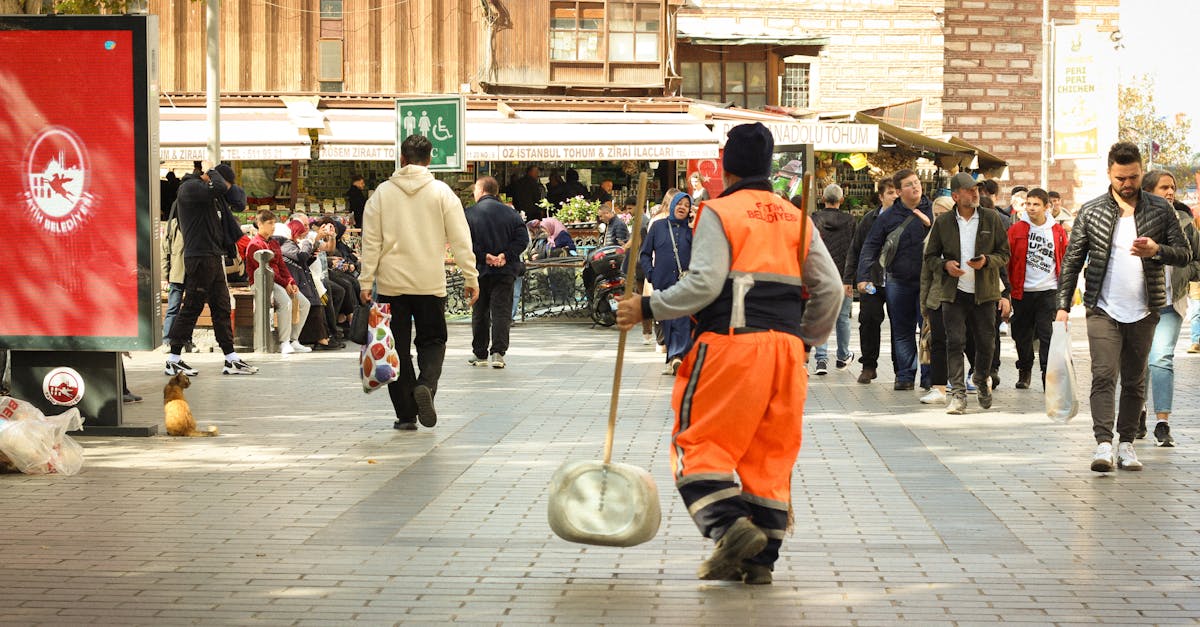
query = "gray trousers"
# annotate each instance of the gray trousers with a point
(1118, 348)
(963, 318)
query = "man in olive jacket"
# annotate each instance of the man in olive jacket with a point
(966, 250)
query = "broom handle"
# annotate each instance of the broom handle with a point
(805, 198)
(633, 251)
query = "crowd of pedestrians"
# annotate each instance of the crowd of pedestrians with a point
(950, 272)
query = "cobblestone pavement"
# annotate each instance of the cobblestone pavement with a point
(310, 509)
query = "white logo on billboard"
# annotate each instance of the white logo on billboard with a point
(56, 181)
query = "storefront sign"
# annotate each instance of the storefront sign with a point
(357, 152)
(1085, 93)
(237, 153)
(822, 136)
(624, 152)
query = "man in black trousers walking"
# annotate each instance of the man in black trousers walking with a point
(498, 236)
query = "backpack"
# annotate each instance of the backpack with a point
(887, 252)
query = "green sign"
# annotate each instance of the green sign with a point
(439, 119)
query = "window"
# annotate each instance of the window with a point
(330, 60)
(795, 85)
(633, 32)
(575, 29)
(743, 84)
(331, 9)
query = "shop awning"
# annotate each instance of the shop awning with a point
(247, 133)
(984, 160)
(704, 30)
(790, 133)
(370, 134)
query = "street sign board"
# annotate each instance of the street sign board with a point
(441, 120)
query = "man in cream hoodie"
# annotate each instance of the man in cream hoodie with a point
(406, 225)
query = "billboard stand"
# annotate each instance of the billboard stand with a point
(47, 379)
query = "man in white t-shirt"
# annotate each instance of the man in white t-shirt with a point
(1126, 236)
(1037, 244)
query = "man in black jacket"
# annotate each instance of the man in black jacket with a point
(527, 191)
(909, 218)
(837, 231)
(1126, 236)
(199, 209)
(567, 190)
(498, 237)
(870, 302)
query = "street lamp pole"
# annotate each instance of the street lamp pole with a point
(212, 85)
(1046, 74)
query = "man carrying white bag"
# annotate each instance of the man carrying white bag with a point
(1126, 236)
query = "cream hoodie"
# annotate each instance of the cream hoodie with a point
(406, 225)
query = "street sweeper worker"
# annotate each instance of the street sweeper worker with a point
(739, 394)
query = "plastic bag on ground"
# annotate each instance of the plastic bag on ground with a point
(36, 444)
(1062, 403)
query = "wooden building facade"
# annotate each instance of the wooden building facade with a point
(612, 47)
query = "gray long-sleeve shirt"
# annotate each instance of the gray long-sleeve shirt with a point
(711, 259)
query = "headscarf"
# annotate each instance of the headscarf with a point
(553, 228)
(298, 228)
(675, 200)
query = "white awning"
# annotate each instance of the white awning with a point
(750, 28)
(247, 133)
(370, 134)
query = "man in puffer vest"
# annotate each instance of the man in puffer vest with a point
(739, 395)
(1126, 236)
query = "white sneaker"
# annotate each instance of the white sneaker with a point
(647, 339)
(1126, 458)
(934, 397)
(1102, 459)
(300, 348)
(286, 348)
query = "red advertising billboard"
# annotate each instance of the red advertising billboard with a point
(75, 182)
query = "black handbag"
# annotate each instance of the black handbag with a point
(359, 332)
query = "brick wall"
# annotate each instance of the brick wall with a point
(879, 51)
(993, 82)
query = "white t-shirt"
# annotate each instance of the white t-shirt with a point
(1040, 275)
(1123, 294)
(967, 231)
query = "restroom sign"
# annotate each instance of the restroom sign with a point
(440, 119)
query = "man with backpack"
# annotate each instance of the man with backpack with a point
(897, 242)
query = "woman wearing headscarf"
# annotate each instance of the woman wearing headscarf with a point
(666, 254)
(558, 240)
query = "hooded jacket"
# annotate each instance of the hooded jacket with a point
(201, 213)
(837, 231)
(657, 256)
(406, 225)
(1091, 241)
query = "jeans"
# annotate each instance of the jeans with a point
(491, 316)
(870, 319)
(678, 334)
(1033, 316)
(843, 333)
(203, 283)
(1162, 359)
(904, 311)
(1194, 316)
(174, 303)
(428, 315)
(964, 318)
(1118, 348)
(517, 285)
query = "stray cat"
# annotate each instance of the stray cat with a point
(178, 414)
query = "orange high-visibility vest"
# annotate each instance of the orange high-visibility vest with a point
(763, 231)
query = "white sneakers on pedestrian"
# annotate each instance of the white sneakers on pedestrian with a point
(1102, 459)
(286, 348)
(300, 348)
(934, 397)
(1126, 458)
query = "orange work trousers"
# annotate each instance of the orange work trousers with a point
(739, 402)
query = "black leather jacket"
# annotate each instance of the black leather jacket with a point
(1091, 241)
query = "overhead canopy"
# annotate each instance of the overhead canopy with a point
(370, 134)
(701, 30)
(984, 160)
(247, 133)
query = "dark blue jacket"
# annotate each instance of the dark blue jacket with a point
(496, 228)
(906, 266)
(663, 272)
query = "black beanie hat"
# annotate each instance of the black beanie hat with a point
(226, 172)
(748, 150)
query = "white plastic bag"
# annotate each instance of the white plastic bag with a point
(1062, 403)
(379, 360)
(37, 444)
